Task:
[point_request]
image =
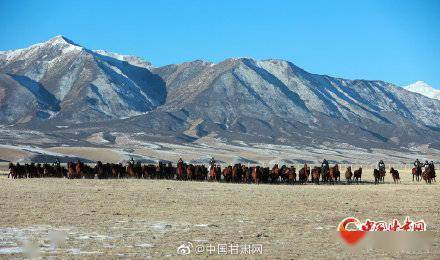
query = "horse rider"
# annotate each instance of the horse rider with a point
(212, 162)
(426, 165)
(431, 166)
(417, 164)
(57, 162)
(131, 161)
(180, 162)
(381, 166)
(325, 167)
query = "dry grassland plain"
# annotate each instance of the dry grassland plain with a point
(152, 218)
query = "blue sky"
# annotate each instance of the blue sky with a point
(395, 41)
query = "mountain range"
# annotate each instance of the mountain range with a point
(61, 83)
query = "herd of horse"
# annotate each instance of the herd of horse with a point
(238, 173)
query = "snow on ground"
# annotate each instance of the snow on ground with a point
(123, 146)
(34, 149)
(98, 138)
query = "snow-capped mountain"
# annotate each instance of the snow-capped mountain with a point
(276, 100)
(270, 101)
(84, 85)
(422, 88)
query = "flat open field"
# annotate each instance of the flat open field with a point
(142, 218)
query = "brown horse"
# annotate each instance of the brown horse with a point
(227, 173)
(237, 173)
(303, 174)
(275, 173)
(180, 171)
(316, 174)
(348, 174)
(395, 174)
(160, 173)
(212, 173)
(190, 172)
(116, 171)
(334, 173)
(57, 170)
(357, 174)
(256, 174)
(40, 170)
(13, 171)
(71, 168)
(382, 175)
(246, 177)
(49, 171)
(290, 174)
(131, 172)
(417, 173)
(150, 171)
(377, 176)
(428, 175)
(99, 169)
(81, 170)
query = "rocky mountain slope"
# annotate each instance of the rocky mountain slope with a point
(273, 101)
(80, 85)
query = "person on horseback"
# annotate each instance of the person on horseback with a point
(381, 165)
(432, 169)
(426, 165)
(325, 164)
(417, 164)
(212, 162)
(325, 167)
(131, 161)
(431, 166)
(180, 161)
(57, 162)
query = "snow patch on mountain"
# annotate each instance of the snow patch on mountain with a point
(423, 88)
(85, 83)
(133, 60)
(60, 42)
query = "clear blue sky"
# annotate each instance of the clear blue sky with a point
(395, 41)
